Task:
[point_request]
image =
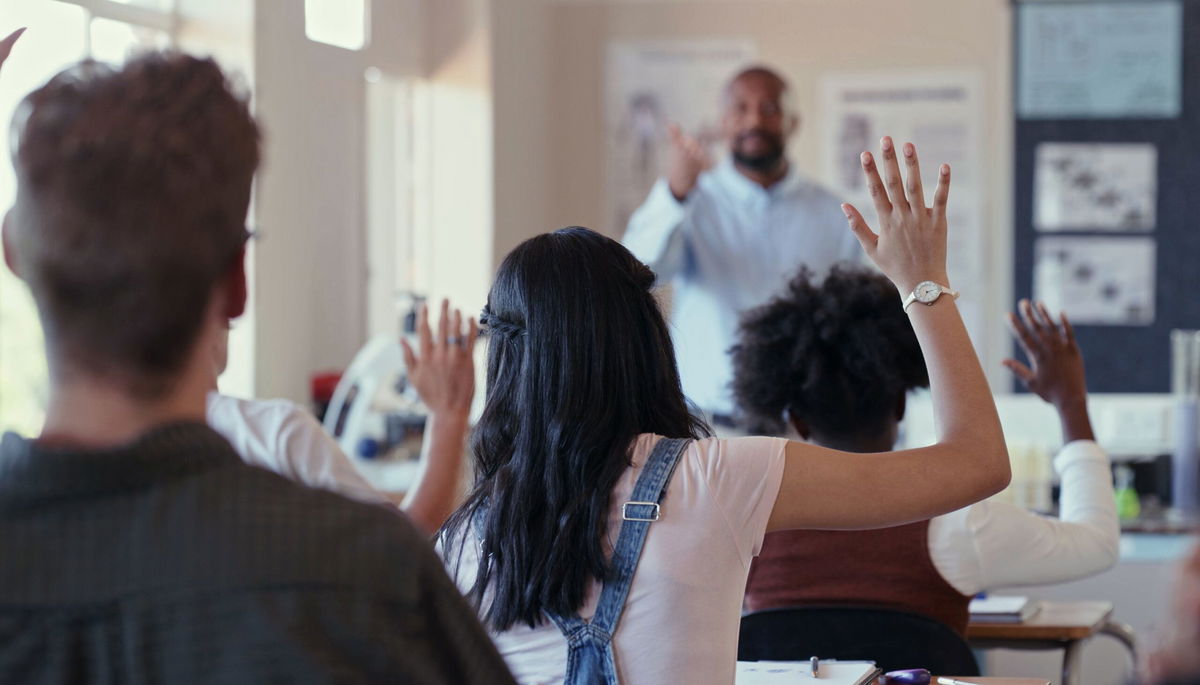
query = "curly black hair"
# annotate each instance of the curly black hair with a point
(838, 355)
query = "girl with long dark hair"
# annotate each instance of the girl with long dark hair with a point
(608, 536)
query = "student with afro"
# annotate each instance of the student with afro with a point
(836, 359)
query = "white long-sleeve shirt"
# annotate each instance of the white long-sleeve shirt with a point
(280, 436)
(995, 544)
(729, 246)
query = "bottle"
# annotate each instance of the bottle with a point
(1129, 506)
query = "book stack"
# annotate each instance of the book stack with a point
(1002, 609)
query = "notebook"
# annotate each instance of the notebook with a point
(1002, 609)
(792, 672)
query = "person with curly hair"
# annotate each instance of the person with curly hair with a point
(836, 360)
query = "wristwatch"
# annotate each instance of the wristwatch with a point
(928, 292)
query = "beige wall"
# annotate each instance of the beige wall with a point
(310, 261)
(551, 162)
(513, 131)
(313, 208)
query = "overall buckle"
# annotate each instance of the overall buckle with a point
(655, 510)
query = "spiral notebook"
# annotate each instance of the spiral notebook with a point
(792, 672)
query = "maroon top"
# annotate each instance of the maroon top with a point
(888, 568)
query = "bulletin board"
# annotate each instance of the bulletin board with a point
(1107, 177)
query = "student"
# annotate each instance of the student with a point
(585, 426)
(138, 546)
(282, 437)
(836, 358)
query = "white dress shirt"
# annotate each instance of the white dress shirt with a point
(995, 544)
(281, 437)
(730, 246)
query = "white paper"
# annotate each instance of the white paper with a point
(998, 604)
(1106, 59)
(1097, 281)
(1095, 187)
(792, 672)
(940, 111)
(649, 85)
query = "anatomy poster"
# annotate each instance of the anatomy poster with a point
(939, 111)
(1095, 187)
(649, 85)
(1097, 281)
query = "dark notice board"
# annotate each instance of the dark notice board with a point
(1129, 358)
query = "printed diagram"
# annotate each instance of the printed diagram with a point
(650, 85)
(1095, 187)
(1097, 281)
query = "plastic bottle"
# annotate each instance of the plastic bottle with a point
(1129, 506)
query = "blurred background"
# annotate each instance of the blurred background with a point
(410, 144)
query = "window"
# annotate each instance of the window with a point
(341, 23)
(151, 4)
(59, 34)
(114, 41)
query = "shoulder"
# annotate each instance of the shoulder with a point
(969, 525)
(226, 410)
(275, 434)
(297, 534)
(749, 447)
(715, 455)
(257, 423)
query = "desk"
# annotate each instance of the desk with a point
(1056, 625)
(999, 681)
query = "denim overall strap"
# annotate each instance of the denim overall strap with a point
(589, 643)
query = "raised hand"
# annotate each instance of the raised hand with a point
(443, 368)
(1055, 371)
(685, 162)
(910, 246)
(6, 45)
(443, 372)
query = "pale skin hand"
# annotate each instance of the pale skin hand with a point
(1057, 374)
(824, 488)
(442, 370)
(686, 160)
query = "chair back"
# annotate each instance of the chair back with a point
(893, 639)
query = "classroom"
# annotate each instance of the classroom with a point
(600, 341)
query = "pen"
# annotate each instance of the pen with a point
(952, 681)
(816, 665)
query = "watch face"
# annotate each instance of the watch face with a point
(928, 291)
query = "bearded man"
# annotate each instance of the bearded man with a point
(729, 236)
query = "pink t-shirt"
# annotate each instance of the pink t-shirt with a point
(680, 623)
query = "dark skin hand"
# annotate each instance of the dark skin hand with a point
(1055, 372)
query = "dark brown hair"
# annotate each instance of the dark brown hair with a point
(837, 353)
(132, 191)
(580, 363)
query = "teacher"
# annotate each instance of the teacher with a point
(730, 236)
